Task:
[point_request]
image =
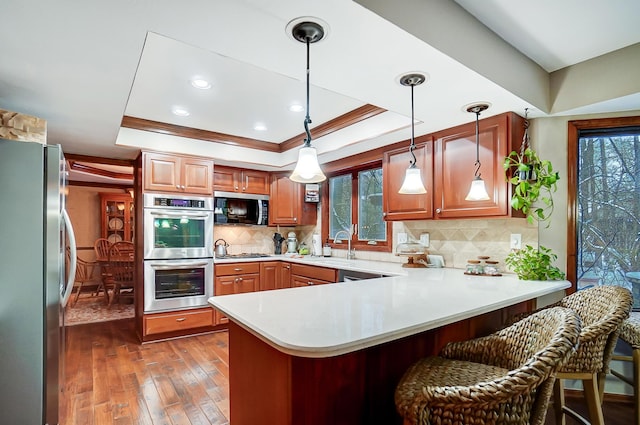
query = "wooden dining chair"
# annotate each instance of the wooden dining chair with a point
(120, 278)
(121, 250)
(84, 274)
(101, 249)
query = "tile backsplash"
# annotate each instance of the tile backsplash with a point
(456, 240)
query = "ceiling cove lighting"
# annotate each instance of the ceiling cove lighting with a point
(412, 184)
(478, 192)
(307, 169)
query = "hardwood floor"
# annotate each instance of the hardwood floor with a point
(112, 379)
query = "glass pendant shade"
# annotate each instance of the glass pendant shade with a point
(307, 169)
(477, 192)
(412, 184)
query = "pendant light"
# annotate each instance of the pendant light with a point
(307, 169)
(412, 184)
(478, 192)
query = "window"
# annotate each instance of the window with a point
(608, 208)
(354, 205)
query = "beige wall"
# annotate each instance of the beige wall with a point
(83, 206)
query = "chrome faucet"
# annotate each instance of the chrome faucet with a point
(350, 254)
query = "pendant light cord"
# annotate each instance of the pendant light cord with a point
(412, 146)
(307, 119)
(477, 173)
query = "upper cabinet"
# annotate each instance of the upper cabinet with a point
(177, 173)
(454, 159)
(229, 179)
(446, 160)
(286, 203)
(397, 206)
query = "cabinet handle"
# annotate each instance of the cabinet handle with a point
(309, 283)
(177, 186)
(287, 267)
(236, 187)
(384, 214)
(295, 218)
(240, 279)
(438, 210)
(181, 319)
(237, 270)
(182, 187)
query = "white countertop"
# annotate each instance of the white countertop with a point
(333, 319)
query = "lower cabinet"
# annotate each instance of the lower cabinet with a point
(304, 275)
(235, 278)
(178, 321)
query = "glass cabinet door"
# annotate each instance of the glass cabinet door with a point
(117, 217)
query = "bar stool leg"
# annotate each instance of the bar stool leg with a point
(591, 392)
(558, 401)
(636, 384)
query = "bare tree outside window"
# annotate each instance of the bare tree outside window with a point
(609, 209)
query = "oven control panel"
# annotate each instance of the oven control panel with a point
(155, 200)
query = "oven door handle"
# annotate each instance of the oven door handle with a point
(164, 266)
(174, 214)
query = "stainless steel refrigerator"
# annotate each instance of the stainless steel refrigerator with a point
(34, 234)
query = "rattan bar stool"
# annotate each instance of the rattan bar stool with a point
(504, 378)
(602, 310)
(630, 332)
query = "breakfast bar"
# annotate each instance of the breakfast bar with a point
(334, 353)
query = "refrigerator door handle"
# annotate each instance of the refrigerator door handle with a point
(68, 288)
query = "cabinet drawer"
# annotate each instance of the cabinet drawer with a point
(177, 321)
(236, 268)
(297, 281)
(319, 273)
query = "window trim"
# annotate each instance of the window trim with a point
(355, 243)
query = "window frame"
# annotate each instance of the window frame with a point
(385, 246)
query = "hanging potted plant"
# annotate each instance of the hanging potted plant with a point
(534, 264)
(534, 181)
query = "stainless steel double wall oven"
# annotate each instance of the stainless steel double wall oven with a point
(178, 251)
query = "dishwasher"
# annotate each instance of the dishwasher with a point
(349, 275)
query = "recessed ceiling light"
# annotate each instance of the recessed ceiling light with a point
(199, 83)
(180, 111)
(260, 127)
(296, 108)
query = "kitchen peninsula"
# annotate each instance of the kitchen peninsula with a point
(334, 353)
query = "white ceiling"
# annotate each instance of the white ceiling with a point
(82, 66)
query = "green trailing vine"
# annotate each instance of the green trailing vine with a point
(533, 180)
(534, 264)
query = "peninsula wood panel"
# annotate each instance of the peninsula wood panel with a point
(353, 388)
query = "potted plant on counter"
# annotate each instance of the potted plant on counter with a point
(534, 264)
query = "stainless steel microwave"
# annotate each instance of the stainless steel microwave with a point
(240, 208)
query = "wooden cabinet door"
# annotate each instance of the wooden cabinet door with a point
(455, 155)
(282, 201)
(161, 172)
(270, 275)
(286, 203)
(254, 181)
(226, 179)
(247, 283)
(285, 276)
(197, 176)
(399, 206)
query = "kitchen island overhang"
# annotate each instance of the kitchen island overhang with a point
(334, 353)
